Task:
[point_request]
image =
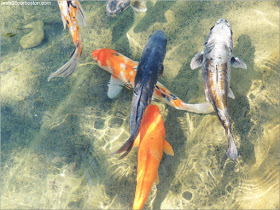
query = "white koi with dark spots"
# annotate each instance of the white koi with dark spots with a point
(216, 60)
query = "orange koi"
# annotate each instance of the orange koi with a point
(152, 143)
(123, 71)
(72, 15)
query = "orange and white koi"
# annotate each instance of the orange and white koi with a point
(72, 15)
(123, 71)
(151, 144)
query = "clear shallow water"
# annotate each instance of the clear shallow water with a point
(56, 137)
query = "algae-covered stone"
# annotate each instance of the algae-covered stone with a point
(35, 37)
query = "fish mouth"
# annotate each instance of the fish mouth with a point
(222, 20)
(221, 24)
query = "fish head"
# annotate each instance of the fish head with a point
(156, 45)
(152, 111)
(158, 36)
(222, 26)
(220, 32)
(95, 54)
(222, 20)
(153, 119)
(149, 116)
(103, 58)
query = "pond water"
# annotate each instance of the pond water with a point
(57, 137)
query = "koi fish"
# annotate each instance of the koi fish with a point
(151, 144)
(123, 71)
(72, 14)
(216, 59)
(115, 7)
(148, 71)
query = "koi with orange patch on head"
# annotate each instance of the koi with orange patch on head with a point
(72, 15)
(121, 67)
(151, 144)
(123, 71)
(216, 60)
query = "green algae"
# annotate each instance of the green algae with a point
(57, 137)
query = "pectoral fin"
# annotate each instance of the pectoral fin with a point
(137, 140)
(167, 148)
(81, 17)
(238, 63)
(157, 178)
(63, 21)
(161, 71)
(114, 87)
(203, 108)
(197, 60)
(135, 67)
(230, 93)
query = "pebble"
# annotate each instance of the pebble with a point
(35, 37)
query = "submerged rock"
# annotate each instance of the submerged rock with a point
(35, 37)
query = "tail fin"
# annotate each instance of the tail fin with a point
(203, 108)
(232, 152)
(68, 68)
(126, 147)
